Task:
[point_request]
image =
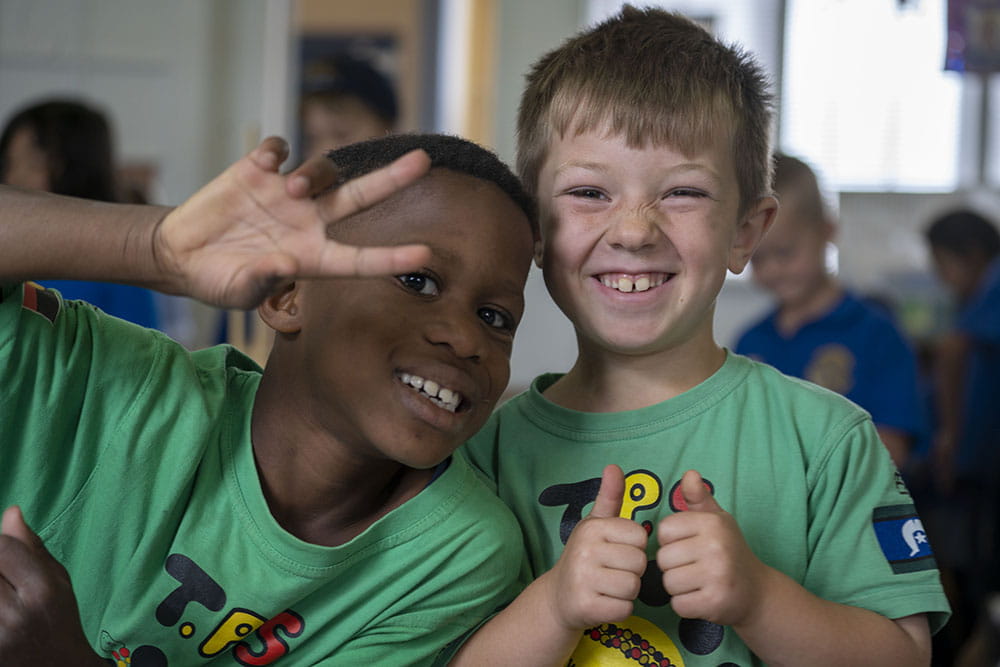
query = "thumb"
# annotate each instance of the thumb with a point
(13, 525)
(609, 497)
(697, 494)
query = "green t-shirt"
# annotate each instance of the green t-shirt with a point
(801, 469)
(131, 458)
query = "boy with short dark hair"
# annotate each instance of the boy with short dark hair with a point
(822, 332)
(345, 100)
(208, 511)
(758, 518)
(965, 457)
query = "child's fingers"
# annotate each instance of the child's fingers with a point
(315, 175)
(270, 153)
(697, 494)
(345, 260)
(624, 558)
(365, 191)
(681, 580)
(618, 584)
(609, 497)
(673, 556)
(13, 525)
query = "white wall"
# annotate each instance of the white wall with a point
(181, 81)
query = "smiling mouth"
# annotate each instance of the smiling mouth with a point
(638, 282)
(443, 397)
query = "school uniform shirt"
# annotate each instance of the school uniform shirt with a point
(135, 304)
(132, 459)
(979, 319)
(854, 350)
(800, 468)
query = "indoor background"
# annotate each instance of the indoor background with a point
(864, 96)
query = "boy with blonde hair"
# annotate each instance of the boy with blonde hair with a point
(820, 331)
(758, 518)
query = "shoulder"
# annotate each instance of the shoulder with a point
(793, 399)
(468, 501)
(482, 448)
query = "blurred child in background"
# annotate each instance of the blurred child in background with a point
(346, 100)
(965, 248)
(65, 147)
(822, 332)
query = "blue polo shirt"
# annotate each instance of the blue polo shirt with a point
(979, 319)
(126, 302)
(855, 350)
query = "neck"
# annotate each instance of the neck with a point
(603, 381)
(793, 316)
(317, 488)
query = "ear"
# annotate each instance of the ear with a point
(751, 230)
(281, 310)
(539, 252)
(829, 231)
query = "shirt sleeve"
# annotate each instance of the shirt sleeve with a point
(867, 546)
(63, 373)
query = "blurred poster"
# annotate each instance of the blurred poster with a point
(973, 36)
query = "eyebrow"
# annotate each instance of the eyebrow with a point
(580, 164)
(451, 257)
(682, 168)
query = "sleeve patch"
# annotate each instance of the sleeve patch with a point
(39, 300)
(901, 535)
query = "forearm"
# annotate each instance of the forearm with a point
(50, 236)
(541, 640)
(793, 627)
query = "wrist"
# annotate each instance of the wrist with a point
(166, 275)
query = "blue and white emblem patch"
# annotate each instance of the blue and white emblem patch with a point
(902, 538)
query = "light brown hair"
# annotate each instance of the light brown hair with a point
(657, 78)
(791, 173)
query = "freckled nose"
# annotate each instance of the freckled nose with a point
(632, 229)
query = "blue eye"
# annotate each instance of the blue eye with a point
(419, 283)
(497, 319)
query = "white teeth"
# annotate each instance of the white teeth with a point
(629, 284)
(443, 397)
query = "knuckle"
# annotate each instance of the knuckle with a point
(356, 195)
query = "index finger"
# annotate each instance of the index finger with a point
(311, 177)
(365, 191)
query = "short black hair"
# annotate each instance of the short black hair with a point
(446, 151)
(77, 142)
(965, 233)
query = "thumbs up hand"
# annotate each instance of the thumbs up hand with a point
(598, 575)
(708, 568)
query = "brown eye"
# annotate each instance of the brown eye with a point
(496, 319)
(419, 283)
